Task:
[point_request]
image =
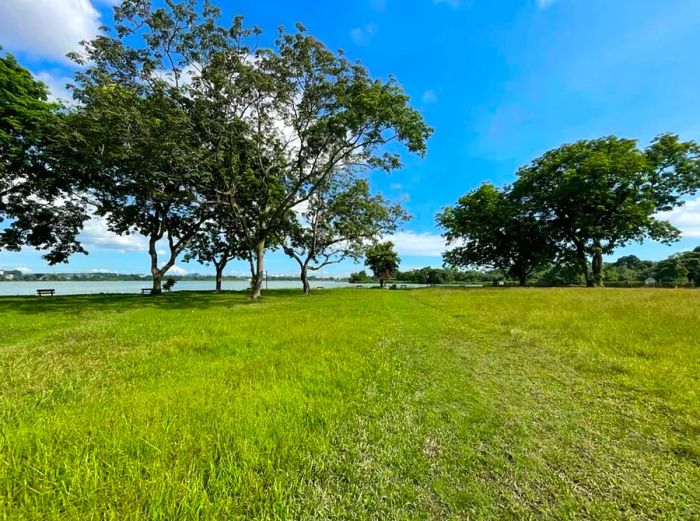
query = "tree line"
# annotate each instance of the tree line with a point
(191, 134)
(572, 206)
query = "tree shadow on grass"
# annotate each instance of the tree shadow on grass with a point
(119, 303)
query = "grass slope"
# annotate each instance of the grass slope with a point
(352, 404)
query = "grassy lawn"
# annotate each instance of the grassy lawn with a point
(352, 404)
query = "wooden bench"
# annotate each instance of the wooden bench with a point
(146, 291)
(404, 286)
(49, 292)
(359, 286)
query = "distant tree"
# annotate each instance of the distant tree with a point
(691, 262)
(382, 260)
(672, 271)
(628, 261)
(697, 249)
(490, 228)
(216, 243)
(338, 223)
(37, 195)
(360, 277)
(604, 193)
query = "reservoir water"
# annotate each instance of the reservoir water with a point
(134, 286)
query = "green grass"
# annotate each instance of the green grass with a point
(352, 404)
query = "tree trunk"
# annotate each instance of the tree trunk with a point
(258, 276)
(583, 263)
(156, 272)
(522, 280)
(381, 282)
(219, 275)
(305, 280)
(597, 266)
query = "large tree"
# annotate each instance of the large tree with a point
(37, 203)
(282, 122)
(604, 193)
(142, 158)
(490, 228)
(383, 260)
(339, 222)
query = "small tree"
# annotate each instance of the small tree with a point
(216, 243)
(382, 260)
(337, 224)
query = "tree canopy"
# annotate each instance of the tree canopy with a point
(383, 260)
(36, 192)
(489, 228)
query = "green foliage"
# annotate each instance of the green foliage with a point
(360, 276)
(427, 404)
(602, 194)
(490, 228)
(338, 223)
(37, 200)
(382, 260)
(169, 283)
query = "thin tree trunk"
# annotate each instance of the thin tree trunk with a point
(597, 265)
(258, 274)
(219, 275)
(381, 282)
(522, 280)
(305, 280)
(156, 272)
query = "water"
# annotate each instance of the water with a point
(134, 286)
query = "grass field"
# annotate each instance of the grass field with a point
(352, 404)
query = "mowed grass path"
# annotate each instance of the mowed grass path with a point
(352, 404)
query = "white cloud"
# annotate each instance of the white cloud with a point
(22, 269)
(56, 83)
(544, 4)
(100, 270)
(47, 28)
(686, 218)
(97, 236)
(363, 35)
(429, 96)
(421, 244)
(177, 270)
(396, 186)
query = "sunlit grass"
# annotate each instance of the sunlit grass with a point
(352, 404)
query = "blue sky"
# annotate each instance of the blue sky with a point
(500, 81)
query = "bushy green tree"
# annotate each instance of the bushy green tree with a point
(604, 193)
(490, 228)
(38, 203)
(287, 120)
(135, 134)
(383, 260)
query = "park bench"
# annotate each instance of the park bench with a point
(49, 292)
(359, 286)
(404, 286)
(145, 291)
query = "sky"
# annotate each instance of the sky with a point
(501, 82)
